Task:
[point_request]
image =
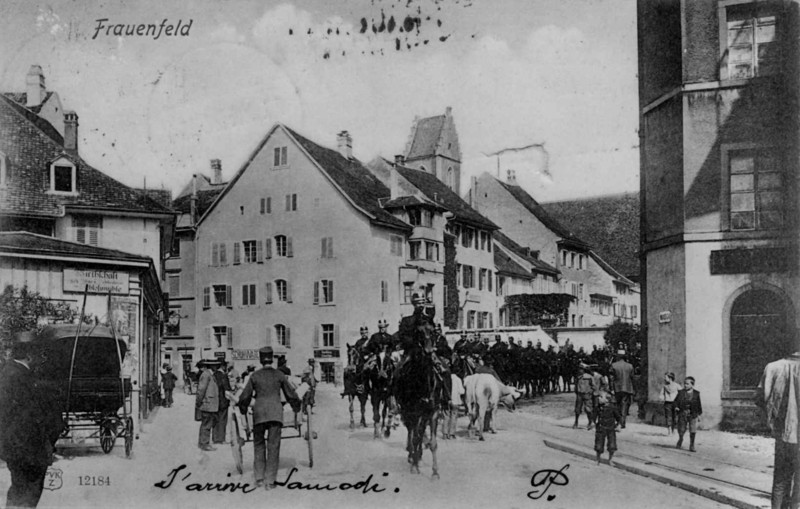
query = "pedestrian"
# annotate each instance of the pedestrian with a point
(233, 375)
(623, 384)
(668, 394)
(311, 380)
(168, 380)
(267, 384)
(609, 417)
(777, 395)
(456, 400)
(689, 408)
(207, 404)
(223, 386)
(30, 424)
(584, 396)
(283, 367)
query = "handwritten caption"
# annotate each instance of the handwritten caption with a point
(543, 479)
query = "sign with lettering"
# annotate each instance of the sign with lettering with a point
(749, 261)
(244, 354)
(326, 354)
(219, 355)
(98, 281)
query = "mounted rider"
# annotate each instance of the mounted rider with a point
(363, 344)
(380, 340)
(408, 334)
(442, 348)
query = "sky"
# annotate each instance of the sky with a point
(558, 75)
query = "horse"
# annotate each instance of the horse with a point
(355, 384)
(421, 395)
(378, 370)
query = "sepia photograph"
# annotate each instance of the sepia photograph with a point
(400, 253)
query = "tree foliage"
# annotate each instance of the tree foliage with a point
(22, 310)
(546, 310)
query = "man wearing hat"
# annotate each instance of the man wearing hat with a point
(310, 379)
(168, 380)
(267, 384)
(379, 340)
(442, 348)
(207, 402)
(363, 342)
(30, 423)
(407, 333)
(623, 384)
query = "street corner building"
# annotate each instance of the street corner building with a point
(69, 230)
(718, 96)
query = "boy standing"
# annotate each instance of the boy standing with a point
(668, 394)
(584, 393)
(608, 417)
(689, 408)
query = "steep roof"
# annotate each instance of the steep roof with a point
(31, 144)
(355, 181)
(609, 223)
(32, 243)
(22, 99)
(541, 214)
(524, 253)
(427, 133)
(436, 190)
(505, 265)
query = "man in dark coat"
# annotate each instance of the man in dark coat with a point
(168, 380)
(442, 348)
(689, 408)
(30, 424)
(207, 403)
(223, 386)
(378, 340)
(623, 384)
(363, 344)
(267, 384)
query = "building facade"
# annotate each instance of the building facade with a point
(718, 87)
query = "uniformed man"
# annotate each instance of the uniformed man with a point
(362, 344)
(458, 348)
(498, 345)
(379, 340)
(442, 348)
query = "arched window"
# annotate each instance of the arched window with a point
(758, 334)
(282, 290)
(281, 334)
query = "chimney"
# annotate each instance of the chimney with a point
(511, 178)
(216, 169)
(193, 201)
(394, 184)
(34, 88)
(71, 132)
(448, 112)
(345, 144)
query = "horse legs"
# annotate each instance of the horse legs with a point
(434, 422)
(363, 401)
(352, 421)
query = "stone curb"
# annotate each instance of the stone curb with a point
(741, 498)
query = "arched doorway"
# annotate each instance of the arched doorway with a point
(758, 322)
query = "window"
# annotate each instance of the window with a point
(328, 335)
(222, 295)
(580, 290)
(468, 276)
(634, 311)
(484, 241)
(279, 157)
(450, 178)
(327, 247)
(249, 294)
(283, 246)
(572, 260)
(414, 217)
(384, 291)
(756, 189)
(63, 177)
(431, 251)
(563, 258)
(458, 274)
(749, 40)
(408, 291)
(206, 297)
(323, 291)
(266, 205)
(471, 316)
(176, 247)
(467, 237)
(489, 278)
(283, 290)
(87, 229)
(481, 323)
(219, 255)
(174, 285)
(396, 245)
(501, 285)
(291, 202)
(420, 217)
(222, 337)
(414, 250)
(482, 279)
(282, 335)
(253, 251)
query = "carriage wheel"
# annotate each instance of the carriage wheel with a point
(236, 441)
(310, 436)
(128, 436)
(108, 437)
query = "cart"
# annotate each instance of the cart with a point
(84, 367)
(240, 428)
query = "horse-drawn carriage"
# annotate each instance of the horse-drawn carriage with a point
(83, 367)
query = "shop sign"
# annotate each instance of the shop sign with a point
(243, 354)
(97, 281)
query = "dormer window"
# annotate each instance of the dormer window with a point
(63, 177)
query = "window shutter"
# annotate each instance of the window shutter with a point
(330, 291)
(269, 292)
(283, 155)
(316, 293)
(260, 251)
(269, 205)
(263, 205)
(268, 249)
(330, 247)
(288, 202)
(214, 254)
(288, 337)
(230, 338)
(288, 291)
(489, 280)
(289, 251)
(269, 336)
(228, 296)
(237, 255)
(209, 337)
(316, 336)
(93, 236)
(336, 336)
(80, 235)
(324, 247)
(206, 297)
(223, 254)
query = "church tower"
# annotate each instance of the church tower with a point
(433, 147)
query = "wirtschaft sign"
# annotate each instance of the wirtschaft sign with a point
(97, 281)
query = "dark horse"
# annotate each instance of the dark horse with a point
(421, 396)
(378, 369)
(355, 384)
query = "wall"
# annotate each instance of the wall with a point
(659, 36)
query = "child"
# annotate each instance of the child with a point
(608, 417)
(584, 393)
(668, 394)
(689, 408)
